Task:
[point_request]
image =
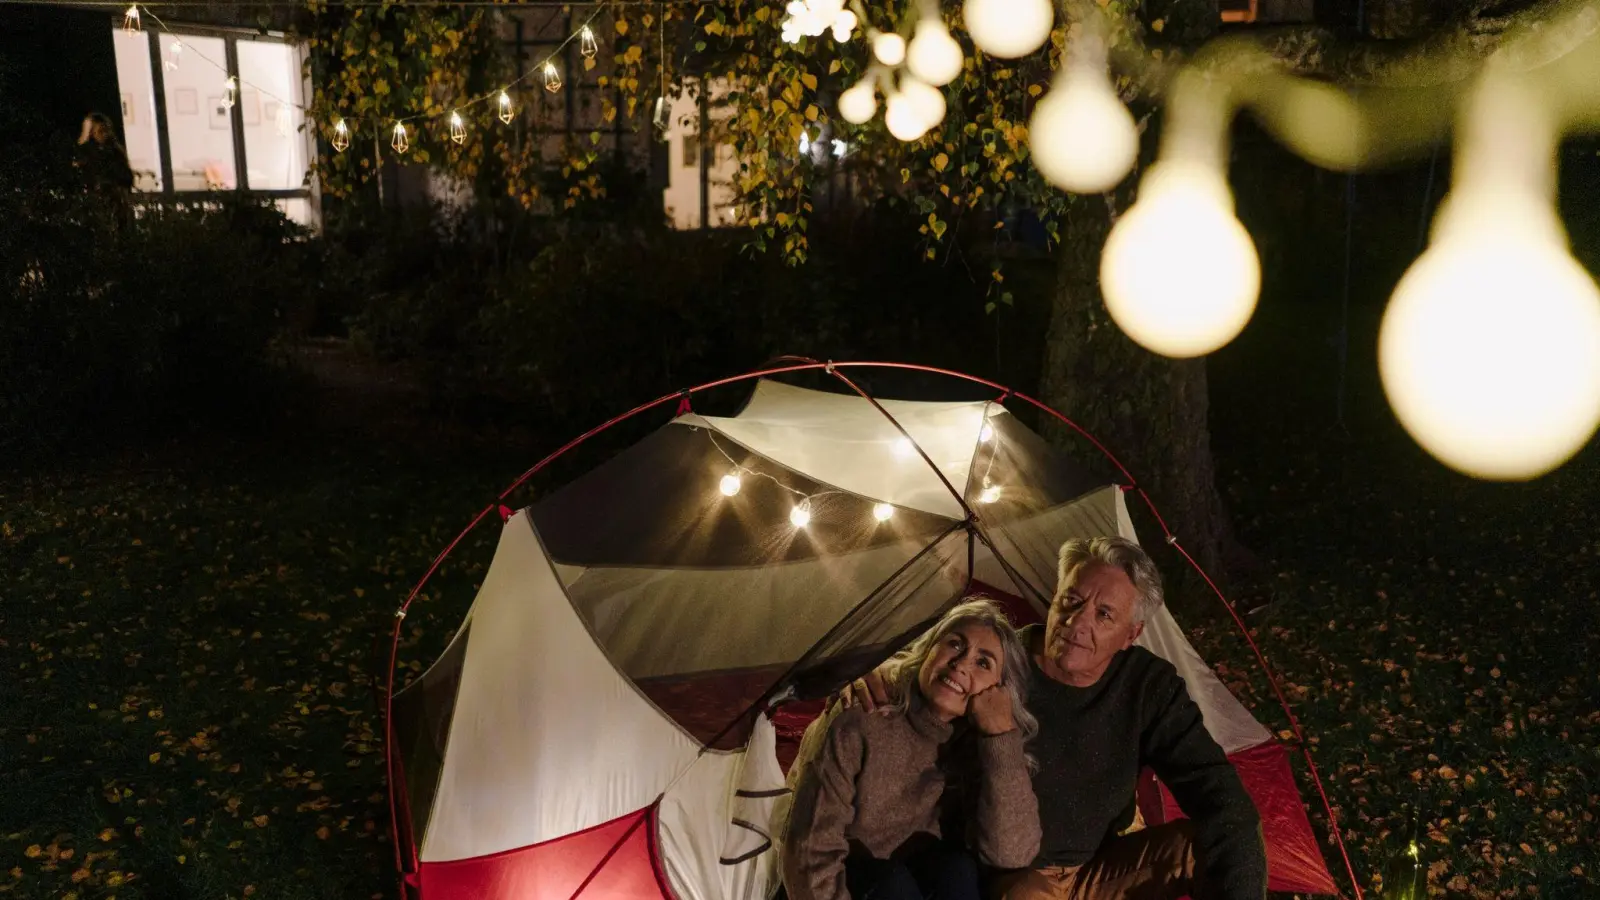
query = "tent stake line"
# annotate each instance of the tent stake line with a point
(805, 364)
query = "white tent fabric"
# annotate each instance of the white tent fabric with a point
(533, 671)
(845, 442)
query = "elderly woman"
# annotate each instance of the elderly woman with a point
(896, 806)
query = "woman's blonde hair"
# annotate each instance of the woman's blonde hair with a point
(900, 672)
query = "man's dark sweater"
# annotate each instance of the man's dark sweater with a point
(1091, 745)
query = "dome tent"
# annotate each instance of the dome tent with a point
(599, 725)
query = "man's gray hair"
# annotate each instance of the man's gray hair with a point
(1119, 553)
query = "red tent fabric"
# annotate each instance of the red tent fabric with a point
(617, 860)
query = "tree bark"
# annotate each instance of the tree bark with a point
(1148, 410)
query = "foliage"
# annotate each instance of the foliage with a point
(117, 321)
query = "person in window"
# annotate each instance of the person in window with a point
(905, 805)
(101, 158)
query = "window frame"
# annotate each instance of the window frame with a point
(230, 37)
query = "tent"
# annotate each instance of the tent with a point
(612, 718)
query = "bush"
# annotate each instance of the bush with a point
(120, 323)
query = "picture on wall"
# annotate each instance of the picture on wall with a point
(186, 102)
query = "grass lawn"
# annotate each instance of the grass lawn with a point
(185, 642)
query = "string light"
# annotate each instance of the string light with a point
(174, 56)
(1083, 138)
(1179, 272)
(800, 515)
(505, 107)
(341, 136)
(927, 100)
(230, 92)
(730, 484)
(458, 128)
(401, 141)
(986, 433)
(900, 115)
(1008, 29)
(552, 77)
(663, 114)
(859, 102)
(844, 26)
(889, 48)
(883, 512)
(990, 493)
(284, 122)
(587, 45)
(933, 55)
(130, 19)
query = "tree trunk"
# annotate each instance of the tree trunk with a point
(1148, 410)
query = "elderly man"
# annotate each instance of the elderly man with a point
(1107, 708)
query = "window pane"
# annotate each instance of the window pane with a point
(138, 107)
(298, 210)
(274, 146)
(199, 124)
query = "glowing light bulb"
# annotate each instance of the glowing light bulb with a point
(843, 25)
(990, 493)
(883, 512)
(800, 516)
(805, 144)
(230, 92)
(889, 48)
(587, 45)
(1490, 347)
(1083, 138)
(1008, 28)
(927, 99)
(174, 57)
(729, 485)
(400, 141)
(1413, 850)
(900, 115)
(933, 55)
(130, 19)
(903, 448)
(552, 77)
(458, 128)
(505, 107)
(341, 136)
(826, 10)
(663, 114)
(858, 103)
(1179, 273)
(986, 433)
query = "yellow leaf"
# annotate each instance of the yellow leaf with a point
(156, 756)
(940, 161)
(1158, 25)
(1035, 90)
(780, 107)
(261, 821)
(108, 834)
(812, 112)
(634, 54)
(809, 80)
(182, 859)
(322, 833)
(833, 67)
(622, 26)
(33, 851)
(79, 875)
(588, 63)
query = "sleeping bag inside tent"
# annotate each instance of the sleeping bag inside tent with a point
(601, 724)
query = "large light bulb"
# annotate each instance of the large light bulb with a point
(1490, 347)
(858, 103)
(934, 56)
(1179, 273)
(883, 512)
(1008, 28)
(843, 25)
(926, 99)
(990, 493)
(1083, 138)
(903, 448)
(826, 10)
(889, 48)
(900, 115)
(800, 516)
(729, 485)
